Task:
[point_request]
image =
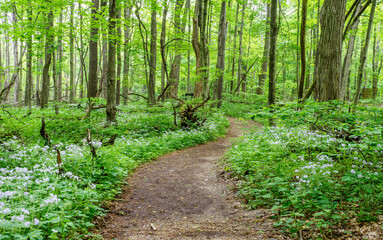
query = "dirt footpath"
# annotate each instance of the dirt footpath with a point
(182, 195)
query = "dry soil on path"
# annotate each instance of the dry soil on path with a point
(183, 195)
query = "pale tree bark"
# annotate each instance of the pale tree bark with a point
(127, 36)
(347, 59)
(263, 75)
(29, 82)
(48, 58)
(329, 57)
(239, 72)
(15, 57)
(363, 53)
(60, 61)
(93, 51)
(222, 31)
(71, 57)
(273, 51)
(303, 49)
(111, 83)
(153, 55)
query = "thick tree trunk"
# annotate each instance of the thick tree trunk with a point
(153, 56)
(93, 51)
(111, 83)
(303, 49)
(204, 51)
(363, 53)
(262, 76)
(71, 56)
(347, 59)
(48, 58)
(222, 31)
(329, 59)
(197, 47)
(29, 82)
(273, 51)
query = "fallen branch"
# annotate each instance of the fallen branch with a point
(44, 134)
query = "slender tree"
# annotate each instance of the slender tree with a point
(111, 80)
(266, 46)
(303, 49)
(153, 56)
(273, 50)
(93, 51)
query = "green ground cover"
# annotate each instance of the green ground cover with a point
(37, 201)
(319, 169)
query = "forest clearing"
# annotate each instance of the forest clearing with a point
(191, 119)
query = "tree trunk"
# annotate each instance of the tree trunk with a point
(197, 47)
(303, 49)
(71, 58)
(273, 51)
(48, 58)
(262, 76)
(222, 31)
(162, 43)
(119, 63)
(363, 53)
(347, 59)
(239, 73)
(16, 59)
(60, 61)
(81, 54)
(376, 66)
(204, 51)
(104, 72)
(329, 59)
(234, 49)
(29, 82)
(127, 14)
(111, 83)
(93, 51)
(153, 56)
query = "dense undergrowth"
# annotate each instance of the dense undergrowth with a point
(320, 169)
(39, 201)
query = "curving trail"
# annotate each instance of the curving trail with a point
(182, 195)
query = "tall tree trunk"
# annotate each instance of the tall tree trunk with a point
(234, 49)
(239, 73)
(204, 51)
(111, 83)
(48, 58)
(125, 84)
(363, 53)
(60, 61)
(93, 51)
(273, 51)
(162, 42)
(104, 72)
(15, 58)
(153, 56)
(222, 31)
(347, 59)
(119, 63)
(81, 54)
(329, 58)
(197, 47)
(298, 50)
(71, 58)
(262, 76)
(303, 49)
(29, 82)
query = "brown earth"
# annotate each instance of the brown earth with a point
(184, 195)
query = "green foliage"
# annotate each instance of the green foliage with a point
(40, 201)
(321, 167)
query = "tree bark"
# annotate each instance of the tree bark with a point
(239, 72)
(111, 81)
(153, 57)
(93, 51)
(376, 66)
(222, 31)
(48, 58)
(363, 53)
(15, 58)
(71, 56)
(119, 63)
(127, 36)
(60, 60)
(303, 49)
(329, 59)
(234, 49)
(29, 82)
(273, 51)
(81, 54)
(262, 76)
(162, 42)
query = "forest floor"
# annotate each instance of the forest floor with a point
(186, 195)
